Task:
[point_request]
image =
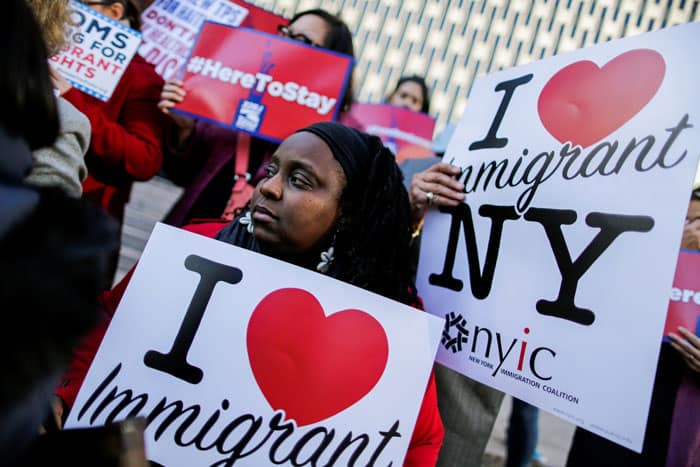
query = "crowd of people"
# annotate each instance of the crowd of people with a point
(329, 198)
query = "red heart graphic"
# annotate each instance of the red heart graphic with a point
(582, 103)
(309, 365)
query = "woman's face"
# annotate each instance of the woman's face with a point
(296, 206)
(409, 95)
(312, 27)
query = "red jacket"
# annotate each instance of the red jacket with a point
(127, 133)
(427, 434)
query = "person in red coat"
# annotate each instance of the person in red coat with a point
(332, 201)
(127, 130)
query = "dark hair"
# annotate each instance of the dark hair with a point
(425, 108)
(695, 194)
(373, 237)
(28, 106)
(131, 13)
(338, 39)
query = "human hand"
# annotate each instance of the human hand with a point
(59, 82)
(174, 93)
(688, 346)
(436, 185)
(691, 235)
(57, 408)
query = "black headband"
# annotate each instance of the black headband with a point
(353, 149)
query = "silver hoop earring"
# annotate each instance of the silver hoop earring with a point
(326, 259)
(247, 220)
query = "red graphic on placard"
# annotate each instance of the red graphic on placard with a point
(311, 365)
(684, 307)
(407, 133)
(583, 103)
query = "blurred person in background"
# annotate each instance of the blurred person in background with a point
(54, 248)
(127, 130)
(62, 163)
(412, 93)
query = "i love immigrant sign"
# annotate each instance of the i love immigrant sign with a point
(237, 358)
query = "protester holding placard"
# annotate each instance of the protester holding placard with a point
(62, 164)
(218, 166)
(332, 201)
(127, 130)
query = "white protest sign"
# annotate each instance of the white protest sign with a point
(98, 53)
(236, 357)
(170, 28)
(553, 277)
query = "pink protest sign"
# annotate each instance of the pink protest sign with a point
(407, 133)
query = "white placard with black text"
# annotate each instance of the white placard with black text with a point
(553, 278)
(236, 357)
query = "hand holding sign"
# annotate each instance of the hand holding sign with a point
(436, 185)
(173, 94)
(688, 345)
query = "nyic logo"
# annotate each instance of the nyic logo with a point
(456, 337)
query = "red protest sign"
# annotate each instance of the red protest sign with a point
(407, 133)
(684, 307)
(261, 84)
(260, 19)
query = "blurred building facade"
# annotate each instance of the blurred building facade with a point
(451, 42)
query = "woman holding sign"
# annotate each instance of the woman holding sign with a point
(127, 130)
(219, 167)
(331, 200)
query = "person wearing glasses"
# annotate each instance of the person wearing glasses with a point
(127, 130)
(211, 162)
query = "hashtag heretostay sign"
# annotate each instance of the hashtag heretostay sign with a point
(269, 91)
